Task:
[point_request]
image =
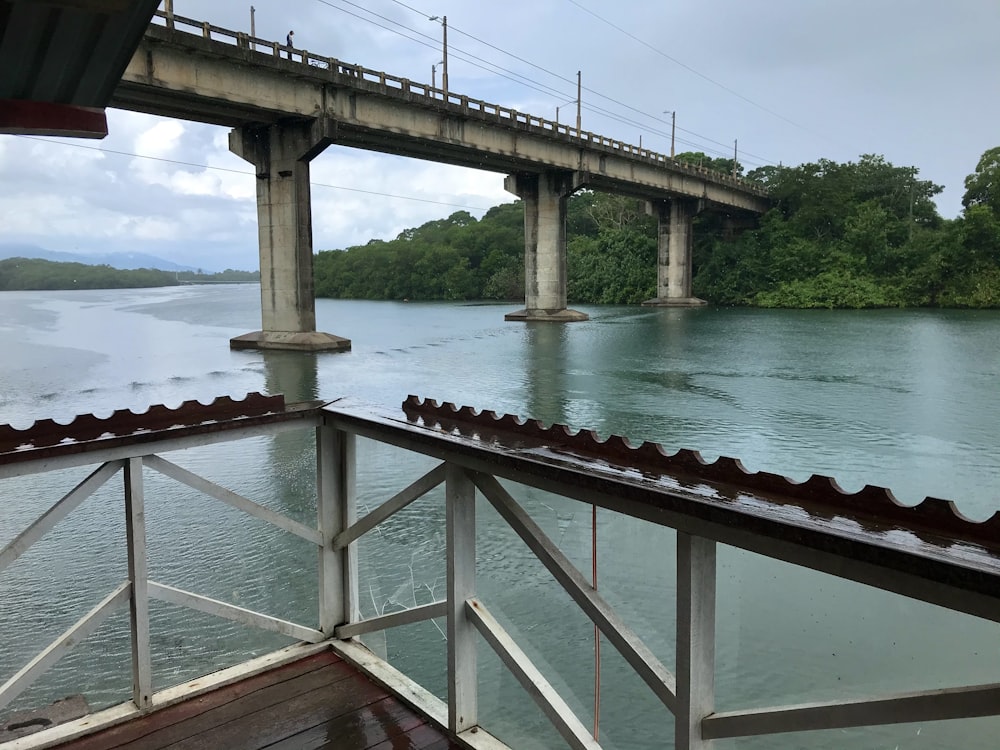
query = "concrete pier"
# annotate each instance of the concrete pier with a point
(544, 196)
(281, 156)
(674, 240)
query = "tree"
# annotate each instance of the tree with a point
(982, 188)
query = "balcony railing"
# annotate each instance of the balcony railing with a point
(928, 553)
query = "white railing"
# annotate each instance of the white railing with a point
(354, 74)
(707, 504)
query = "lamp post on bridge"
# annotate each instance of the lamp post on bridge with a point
(579, 88)
(673, 128)
(571, 101)
(444, 53)
(434, 73)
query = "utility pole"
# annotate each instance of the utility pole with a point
(578, 90)
(673, 128)
(444, 58)
(433, 75)
(673, 131)
(734, 157)
(444, 52)
(168, 6)
(253, 31)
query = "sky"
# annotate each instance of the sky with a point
(782, 81)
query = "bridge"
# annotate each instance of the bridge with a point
(286, 106)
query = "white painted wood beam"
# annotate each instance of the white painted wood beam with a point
(533, 681)
(660, 680)
(899, 708)
(61, 646)
(234, 613)
(232, 499)
(393, 505)
(460, 515)
(696, 563)
(138, 574)
(69, 502)
(392, 620)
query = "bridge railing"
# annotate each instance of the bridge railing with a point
(863, 537)
(440, 97)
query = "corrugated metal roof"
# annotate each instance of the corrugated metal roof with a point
(68, 51)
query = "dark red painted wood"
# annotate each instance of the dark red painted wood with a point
(317, 702)
(48, 118)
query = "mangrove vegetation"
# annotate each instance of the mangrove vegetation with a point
(839, 235)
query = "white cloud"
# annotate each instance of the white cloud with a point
(160, 140)
(792, 81)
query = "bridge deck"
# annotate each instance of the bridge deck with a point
(317, 702)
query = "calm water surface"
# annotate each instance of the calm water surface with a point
(904, 399)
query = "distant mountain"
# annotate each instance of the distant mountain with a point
(123, 261)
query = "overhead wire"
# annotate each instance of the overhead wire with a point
(530, 83)
(244, 172)
(686, 67)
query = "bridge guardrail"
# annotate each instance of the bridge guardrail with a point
(439, 97)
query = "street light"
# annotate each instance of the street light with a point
(434, 73)
(571, 101)
(444, 52)
(673, 128)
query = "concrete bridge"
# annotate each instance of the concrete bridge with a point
(286, 108)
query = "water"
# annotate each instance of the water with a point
(904, 399)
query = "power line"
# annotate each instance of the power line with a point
(248, 174)
(686, 67)
(614, 116)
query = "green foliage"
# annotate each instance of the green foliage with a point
(982, 188)
(858, 234)
(700, 159)
(457, 258)
(34, 273)
(612, 257)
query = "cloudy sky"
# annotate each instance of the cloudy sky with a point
(791, 80)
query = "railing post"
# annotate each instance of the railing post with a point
(695, 639)
(135, 530)
(337, 507)
(460, 514)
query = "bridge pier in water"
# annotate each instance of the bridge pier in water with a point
(675, 241)
(281, 156)
(544, 197)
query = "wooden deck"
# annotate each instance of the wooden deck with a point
(317, 702)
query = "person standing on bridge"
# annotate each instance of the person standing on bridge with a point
(288, 42)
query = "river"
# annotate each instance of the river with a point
(903, 399)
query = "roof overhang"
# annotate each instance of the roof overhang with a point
(60, 61)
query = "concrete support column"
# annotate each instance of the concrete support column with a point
(674, 240)
(281, 155)
(544, 197)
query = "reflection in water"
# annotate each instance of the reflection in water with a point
(906, 399)
(293, 374)
(545, 362)
(292, 454)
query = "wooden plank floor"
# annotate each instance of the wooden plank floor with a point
(317, 702)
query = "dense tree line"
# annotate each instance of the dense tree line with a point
(857, 234)
(860, 234)
(34, 273)
(611, 247)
